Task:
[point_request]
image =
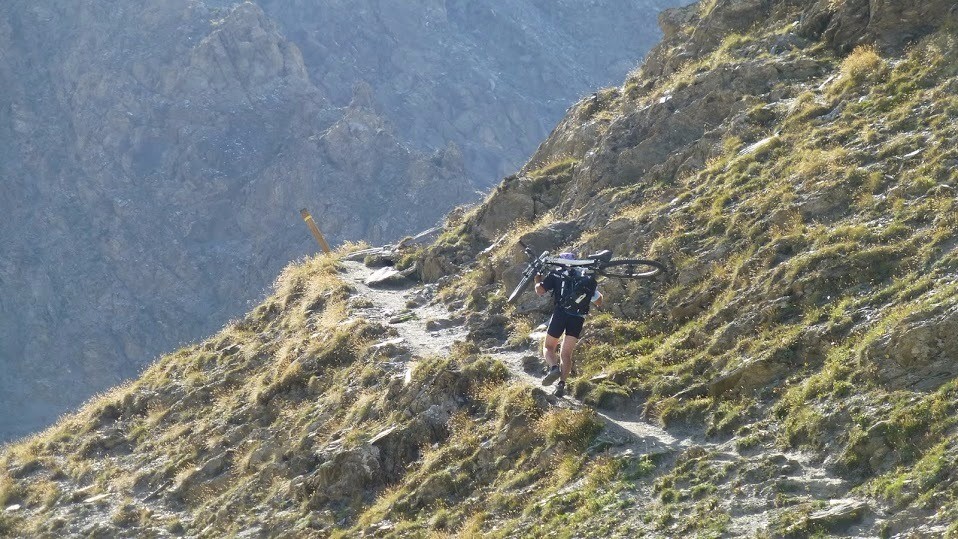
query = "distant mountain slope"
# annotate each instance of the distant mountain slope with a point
(154, 156)
(493, 77)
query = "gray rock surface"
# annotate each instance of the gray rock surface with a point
(387, 277)
(888, 23)
(154, 155)
(493, 77)
(839, 515)
(919, 352)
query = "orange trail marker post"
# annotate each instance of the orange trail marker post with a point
(315, 230)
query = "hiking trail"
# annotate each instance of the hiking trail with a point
(426, 327)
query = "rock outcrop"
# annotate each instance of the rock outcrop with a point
(890, 25)
(918, 353)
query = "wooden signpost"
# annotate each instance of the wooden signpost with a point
(315, 230)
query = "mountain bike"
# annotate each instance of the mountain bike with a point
(600, 263)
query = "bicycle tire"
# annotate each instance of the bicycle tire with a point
(520, 288)
(631, 268)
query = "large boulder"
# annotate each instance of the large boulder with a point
(727, 17)
(343, 474)
(387, 277)
(891, 24)
(839, 515)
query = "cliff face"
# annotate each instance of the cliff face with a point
(154, 157)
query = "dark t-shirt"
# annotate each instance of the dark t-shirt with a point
(551, 283)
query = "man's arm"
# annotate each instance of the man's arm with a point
(541, 290)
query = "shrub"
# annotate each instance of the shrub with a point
(9, 490)
(575, 427)
(862, 64)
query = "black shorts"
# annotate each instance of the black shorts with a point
(562, 321)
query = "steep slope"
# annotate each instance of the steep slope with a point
(154, 157)
(292, 420)
(794, 165)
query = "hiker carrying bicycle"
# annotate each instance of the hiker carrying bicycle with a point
(574, 287)
(574, 291)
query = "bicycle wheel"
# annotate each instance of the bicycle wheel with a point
(521, 287)
(627, 268)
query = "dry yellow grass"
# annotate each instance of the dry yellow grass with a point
(820, 165)
(862, 64)
(520, 331)
(351, 247)
(9, 490)
(573, 427)
(553, 165)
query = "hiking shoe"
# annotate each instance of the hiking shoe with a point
(560, 389)
(551, 376)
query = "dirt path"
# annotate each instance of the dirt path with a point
(427, 328)
(408, 310)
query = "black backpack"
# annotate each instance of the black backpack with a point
(575, 292)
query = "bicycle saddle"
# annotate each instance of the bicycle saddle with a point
(604, 256)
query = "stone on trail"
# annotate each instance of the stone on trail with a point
(437, 324)
(381, 259)
(532, 364)
(841, 514)
(404, 316)
(390, 348)
(536, 338)
(359, 256)
(12, 508)
(390, 342)
(387, 277)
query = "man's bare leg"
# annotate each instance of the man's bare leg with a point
(568, 346)
(549, 350)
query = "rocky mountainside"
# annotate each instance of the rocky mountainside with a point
(792, 162)
(155, 156)
(491, 77)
